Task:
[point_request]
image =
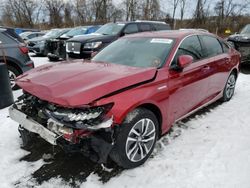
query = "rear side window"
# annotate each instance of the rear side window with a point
(12, 34)
(131, 28)
(212, 46)
(4, 39)
(190, 46)
(145, 27)
(159, 27)
(225, 47)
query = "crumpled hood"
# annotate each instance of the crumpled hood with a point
(80, 82)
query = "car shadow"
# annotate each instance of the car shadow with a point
(245, 68)
(72, 168)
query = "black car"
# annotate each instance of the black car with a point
(56, 47)
(15, 53)
(241, 42)
(37, 44)
(85, 46)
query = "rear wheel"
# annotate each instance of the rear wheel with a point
(229, 87)
(136, 139)
(13, 74)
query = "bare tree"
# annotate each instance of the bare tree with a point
(200, 14)
(20, 12)
(131, 9)
(68, 21)
(151, 9)
(55, 8)
(182, 8)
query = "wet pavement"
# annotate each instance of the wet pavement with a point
(75, 167)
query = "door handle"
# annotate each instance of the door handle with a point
(206, 67)
(227, 60)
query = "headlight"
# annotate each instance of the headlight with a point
(82, 115)
(92, 45)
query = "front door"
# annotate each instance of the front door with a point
(188, 87)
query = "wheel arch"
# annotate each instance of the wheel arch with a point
(156, 110)
(235, 72)
(11, 62)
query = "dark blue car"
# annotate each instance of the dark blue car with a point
(56, 47)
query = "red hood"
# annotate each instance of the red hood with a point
(77, 83)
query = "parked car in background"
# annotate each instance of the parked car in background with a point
(30, 35)
(241, 42)
(119, 103)
(85, 46)
(56, 47)
(37, 44)
(14, 52)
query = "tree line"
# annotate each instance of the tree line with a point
(44, 14)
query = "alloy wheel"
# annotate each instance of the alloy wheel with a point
(12, 78)
(140, 140)
(230, 86)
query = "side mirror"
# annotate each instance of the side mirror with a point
(184, 61)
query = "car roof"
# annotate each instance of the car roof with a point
(178, 34)
(141, 21)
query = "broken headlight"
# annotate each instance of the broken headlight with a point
(85, 114)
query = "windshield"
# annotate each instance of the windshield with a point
(25, 34)
(52, 33)
(110, 29)
(136, 52)
(77, 31)
(245, 30)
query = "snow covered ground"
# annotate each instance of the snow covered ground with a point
(209, 150)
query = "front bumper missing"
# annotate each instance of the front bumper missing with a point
(33, 126)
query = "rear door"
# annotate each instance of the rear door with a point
(188, 88)
(218, 63)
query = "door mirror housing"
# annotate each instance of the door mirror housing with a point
(184, 61)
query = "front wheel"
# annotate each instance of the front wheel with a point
(228, 91)
(13, 74)
(136, 138)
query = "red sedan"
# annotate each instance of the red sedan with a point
(118, 104)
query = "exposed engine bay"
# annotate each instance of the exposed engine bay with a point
(86, 130)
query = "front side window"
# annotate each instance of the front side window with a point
(190, 46)
(136, 52)
(212, 46)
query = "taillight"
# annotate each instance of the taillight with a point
(24, 49)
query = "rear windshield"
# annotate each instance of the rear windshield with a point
(137, 52)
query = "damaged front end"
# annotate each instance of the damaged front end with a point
(88, 130)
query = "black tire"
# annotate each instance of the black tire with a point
(229, 88)
(27, 138)
(53, 58)
(124, 152)
(13, 73)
